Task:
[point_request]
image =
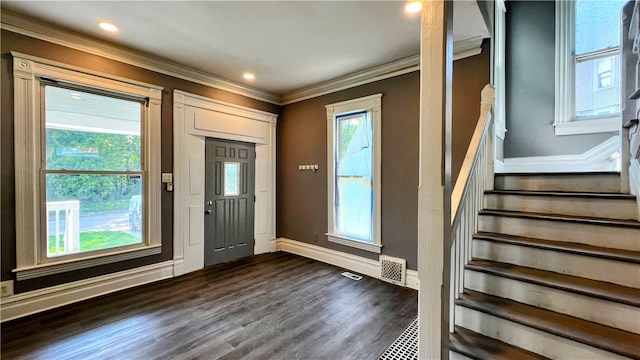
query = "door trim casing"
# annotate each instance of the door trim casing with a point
(194, 118)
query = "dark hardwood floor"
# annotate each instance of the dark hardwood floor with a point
(271, 306)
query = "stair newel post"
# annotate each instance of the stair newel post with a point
(434, 189)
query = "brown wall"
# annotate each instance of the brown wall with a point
(14, 42)
(470, 75)
(302, 195)
(302, 139)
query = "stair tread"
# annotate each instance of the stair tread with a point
(600, 336)
(588, 195)
(565, 218)
(563, 246)
(594, 288)
(480, 347)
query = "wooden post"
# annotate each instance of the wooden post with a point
(434, 189)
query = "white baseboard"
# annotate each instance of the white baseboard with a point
(412, 280)
(178, 266)
(599, 158)
(350, 262)
(32, 302)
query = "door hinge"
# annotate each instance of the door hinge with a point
(254, 198)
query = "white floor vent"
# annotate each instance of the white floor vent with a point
(393, 269)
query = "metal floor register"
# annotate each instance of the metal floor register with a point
(406, 346)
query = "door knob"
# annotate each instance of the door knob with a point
(208, 212)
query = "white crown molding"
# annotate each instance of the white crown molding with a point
(461, 49)
(23, 25)
(337, 258)
(381, 72)
(14, 22)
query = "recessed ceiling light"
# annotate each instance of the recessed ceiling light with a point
(107, 26)
(413, 6)
(75, 96)
(248, 76)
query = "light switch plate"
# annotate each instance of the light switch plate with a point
(167, 177)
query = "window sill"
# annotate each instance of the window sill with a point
(41, 270)
(578, 127)
(375, 248)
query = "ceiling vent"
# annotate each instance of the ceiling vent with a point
(393, 269)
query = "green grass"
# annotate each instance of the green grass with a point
(98, 240)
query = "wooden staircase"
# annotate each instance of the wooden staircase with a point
(554, 271)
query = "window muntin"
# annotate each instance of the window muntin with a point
(354, 176)
(92, 171)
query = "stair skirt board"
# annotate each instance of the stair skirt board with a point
(528, 338)
(608, 208)
(617, 272)
(590, 182)
(591, 234)
(622, 316)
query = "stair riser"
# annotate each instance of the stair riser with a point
(579, 206)
(576, 183)
(597, 310)
(589, 267)
(527, 338)
(598, 235)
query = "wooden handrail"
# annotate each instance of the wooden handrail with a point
(486, 102)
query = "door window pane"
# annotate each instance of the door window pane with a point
(231, 179)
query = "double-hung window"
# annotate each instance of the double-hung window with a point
(87, 168)
(588, 90)
(354, 151)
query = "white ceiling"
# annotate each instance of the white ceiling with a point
(289, 45)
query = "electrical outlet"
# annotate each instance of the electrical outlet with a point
(6, 288)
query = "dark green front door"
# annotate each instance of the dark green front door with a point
(229, 200)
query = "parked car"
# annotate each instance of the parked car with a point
(135, 212)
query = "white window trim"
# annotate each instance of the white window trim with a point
(27, 71)
(499, 69)
(371, 103)
(565, 122)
